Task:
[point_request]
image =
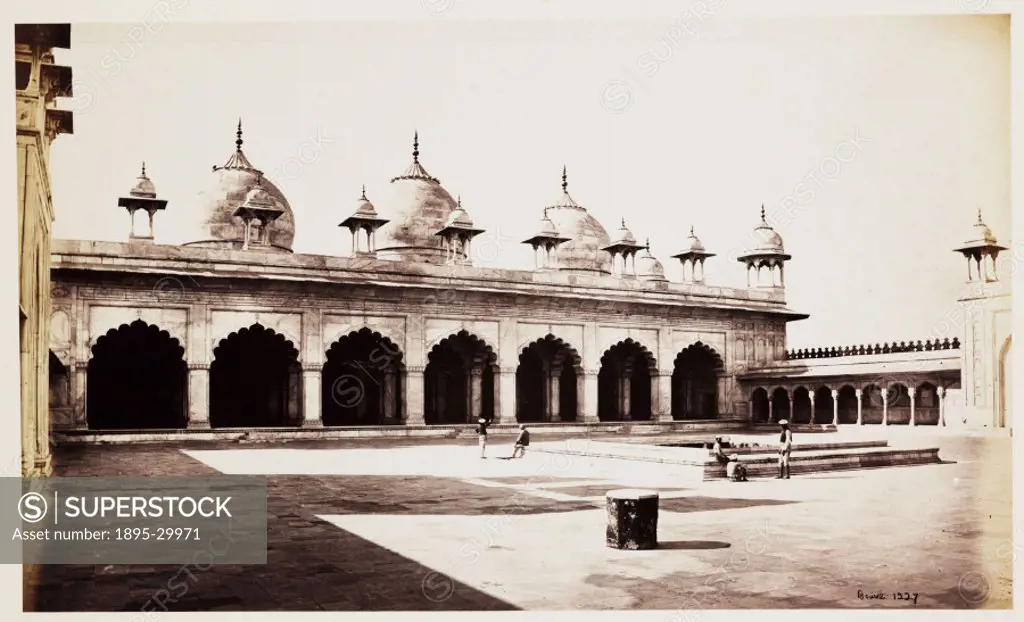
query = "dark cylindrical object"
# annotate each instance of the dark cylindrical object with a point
(632, 519)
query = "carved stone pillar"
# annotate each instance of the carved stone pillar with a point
(664, 397)
(588, 405)
(625, 382)
(198, 395)
(860, 407)
(771, 409)
(835, 407)
(312, 416)
(476, 399)
(811, 397)
(78, 386)
(388, 395)
(885, 406)
(505, 395)
(789, 397)
(941, 391)
(412, 405)
(554, 394)
(912, 391)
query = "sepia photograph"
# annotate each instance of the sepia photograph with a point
(455, 306)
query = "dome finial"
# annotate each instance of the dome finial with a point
(238, 135)
(979, 216)
(623, 222)
(458, 201)
(416, 146)
(762, 213)
(143, 168)
(363, 197)
(647, 244)
(691, 231)
(565, 180)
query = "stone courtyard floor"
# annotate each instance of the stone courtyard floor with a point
(428, 525)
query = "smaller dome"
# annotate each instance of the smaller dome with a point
(364, 208)
(766, 238)
(459, 217)
(648, 268)
(259, 197)
(624, 235)
(143, 187)
(547, 228)
(693, 243)
(980, 233)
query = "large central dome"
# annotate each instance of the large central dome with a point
(215, 225)
(417, 208)
(583, 252)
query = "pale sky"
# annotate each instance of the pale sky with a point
(738, 112)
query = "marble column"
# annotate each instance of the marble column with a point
(941, 391)
(476, 384)
(810, 396)
(388, 394)
(771, 409)
(412, 405)
(789, 397)
(554, 395)
(625, 382)
(78, 398)
(664, 403)
(198, 395)
(860, 406)
(505, 395)
(588, 405)
(835, 407)
(885, 406)
(312, 405)
(912, 391)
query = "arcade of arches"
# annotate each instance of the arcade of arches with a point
(922, 403)
(138, 378)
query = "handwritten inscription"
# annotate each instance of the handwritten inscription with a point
(906, 596)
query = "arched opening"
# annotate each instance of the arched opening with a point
(780, 404)
(871, 404)
(926, 404)
(847, 404)
(1005, 415)
(361, 381)
(546, 380)
(255, 381)
(624, 383)
(459, 380)
(899, 404)
(136, 380)
(823, 405)
(695, 383)
(802, 405)
(760, 410)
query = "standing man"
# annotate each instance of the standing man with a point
(785, 448)
(481, 435)
(522, 442)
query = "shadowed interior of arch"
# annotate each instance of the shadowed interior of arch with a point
(695, 383)
(459, 380)
(136, 379)
(255, 380)
(546, 381)
(624, 383)
(362, 381)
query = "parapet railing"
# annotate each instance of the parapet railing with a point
(885, 348)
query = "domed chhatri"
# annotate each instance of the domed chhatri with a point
(143, 187)
(980, 234)
(624, 246)
(544, 241)
(981, 251)
(692, 258)
(765, 238)
(765, 261)
(364, 220)
(142, 196)
(417, 207)
(215, 224)
(457, 235)
(648, 268)
(693, 243)
(584, 250)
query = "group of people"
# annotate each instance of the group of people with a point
(518, 450)
(737, 472)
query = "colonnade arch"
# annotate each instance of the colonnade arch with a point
(695, 382)
(361, 380)
(459, 380)
(255, 380)
(547, 381)
(624, 382)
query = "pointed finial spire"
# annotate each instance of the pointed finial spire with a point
(691, 230)
(143, 168)
(238, 135)
(979, 216)
(623, 222)
(565, 180)
(762, 212)
(363, 197)
(647, 244)
(458, 201)
(416, 146)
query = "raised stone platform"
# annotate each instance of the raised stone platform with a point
(643, 429)
(695, 463)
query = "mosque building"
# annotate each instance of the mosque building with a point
(233, 330)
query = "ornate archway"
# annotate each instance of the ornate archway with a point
(546, 381)
(362, 381)
(780, 404)
(847, 404)
(459, 380)
(255, 381)
(695, 383)
(624, 382)
(760, 405)
(801, 405)
(136, 379)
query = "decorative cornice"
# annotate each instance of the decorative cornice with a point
(198, 366)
